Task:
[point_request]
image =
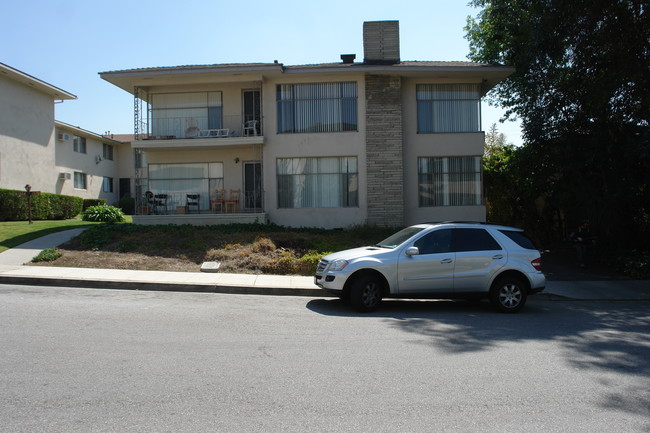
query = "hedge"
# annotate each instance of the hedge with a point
(45, 206)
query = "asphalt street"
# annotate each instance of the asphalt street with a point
(97, 360)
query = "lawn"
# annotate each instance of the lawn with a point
(240, 248)
(13, 233)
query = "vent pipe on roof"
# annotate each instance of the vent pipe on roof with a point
(381, 42)
(348, 58)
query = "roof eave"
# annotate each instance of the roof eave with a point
(33, 82)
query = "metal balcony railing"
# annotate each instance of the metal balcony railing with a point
(202, 127)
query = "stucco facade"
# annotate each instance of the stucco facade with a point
(376, 131)
(102, 163)
(39, 151)
(26, 134)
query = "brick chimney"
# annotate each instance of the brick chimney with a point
(381, 42)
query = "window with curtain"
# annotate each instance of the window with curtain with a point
(108, 151)
(107, 184)
(317, 182)
(449, 107)
(184, 114)
(449, 181)
(79, 144)
(317, 107)
(80, 180)
(178, 180)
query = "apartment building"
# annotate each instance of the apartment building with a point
(378, 141)
(53, 156)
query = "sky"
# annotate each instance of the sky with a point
(67, 43)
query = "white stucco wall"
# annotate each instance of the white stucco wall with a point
(92, 163)
(26, 138)
(433, 145)
(337, 144)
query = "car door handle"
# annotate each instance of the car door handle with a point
(497, 257)
(445, 261)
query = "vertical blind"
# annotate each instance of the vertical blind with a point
(317, 182)
(449, 181)
(448, 107)
(317, 107)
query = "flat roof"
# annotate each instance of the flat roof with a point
(145, 78)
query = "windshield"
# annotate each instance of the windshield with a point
(399, 237)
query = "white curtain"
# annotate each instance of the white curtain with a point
(178, 180)
(317, 182)
(317, 107)
(452, 181)
(448, 108)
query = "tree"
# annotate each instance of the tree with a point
(581, 92)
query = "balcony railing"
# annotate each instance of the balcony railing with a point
(202, 127)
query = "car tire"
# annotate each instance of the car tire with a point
(508, 294)
(366, 293)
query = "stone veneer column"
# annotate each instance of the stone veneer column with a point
(384, 150)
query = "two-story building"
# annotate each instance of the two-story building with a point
(53, 156)
(381, 141)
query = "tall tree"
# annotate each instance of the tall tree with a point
(581, 90)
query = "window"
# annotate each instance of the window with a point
(474, 240)
(317, 107)
(107, 184)
(520, 239)
(178, 180)
(317, 182)
(448, 108)
(79, 144)
(108, 152)
(436, 242)
(449, 181)
(80, 180)
(185, 114)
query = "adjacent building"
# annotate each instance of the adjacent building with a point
(52, 156)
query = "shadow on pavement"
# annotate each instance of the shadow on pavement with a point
(598, 336)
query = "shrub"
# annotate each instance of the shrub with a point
(45, 206)
(103, 213)
(309, 262)
(48, 255)
(127, 204)
(90, 202)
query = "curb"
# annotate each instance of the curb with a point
(163, 287)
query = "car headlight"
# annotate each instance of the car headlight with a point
(338, 265)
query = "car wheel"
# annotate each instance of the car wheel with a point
(366, 293)
(508, 295)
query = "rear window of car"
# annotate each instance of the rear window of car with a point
(520, 239)
(474, 240)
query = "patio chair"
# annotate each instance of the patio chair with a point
(232, 204)
(160, 201)
(218, 200)
(149, 202)
(192, 200)
(249, 128)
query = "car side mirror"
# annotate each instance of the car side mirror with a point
(412, 251)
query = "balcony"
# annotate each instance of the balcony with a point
(198, 132)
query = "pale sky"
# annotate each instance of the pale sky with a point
(66, 43)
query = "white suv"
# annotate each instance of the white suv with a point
(441, 260)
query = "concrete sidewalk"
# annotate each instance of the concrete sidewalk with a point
(13, 271)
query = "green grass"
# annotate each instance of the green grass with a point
(13, 233)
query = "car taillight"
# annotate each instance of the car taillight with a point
(537, 263)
